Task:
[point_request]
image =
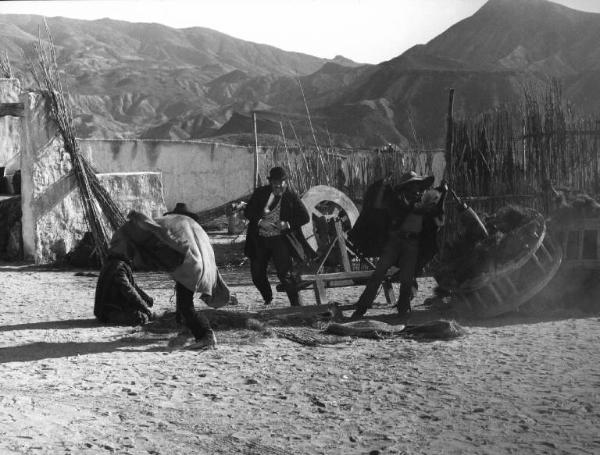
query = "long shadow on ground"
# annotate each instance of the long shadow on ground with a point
(49, 325)
(42, 350)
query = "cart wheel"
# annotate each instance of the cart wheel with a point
(323, 204)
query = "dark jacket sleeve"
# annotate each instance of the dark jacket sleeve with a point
(128, 290)
(149, 300)
(299, 215)
(253, 211)
(294, 212)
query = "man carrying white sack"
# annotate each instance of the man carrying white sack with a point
(178, 245)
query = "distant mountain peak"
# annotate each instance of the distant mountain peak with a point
(524, 35)
(341, 60)
(513, 7)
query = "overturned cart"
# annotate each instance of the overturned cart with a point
(502, 272)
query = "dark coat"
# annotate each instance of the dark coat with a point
(116, 290)
(370, 232)
(292, 210)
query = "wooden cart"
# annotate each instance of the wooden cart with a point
(353, 269)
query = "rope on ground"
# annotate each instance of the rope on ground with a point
(307, 336)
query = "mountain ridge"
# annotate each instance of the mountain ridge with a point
(150, 80)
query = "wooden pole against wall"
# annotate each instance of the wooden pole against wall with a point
(255, 150)
(448, 174)
(283, 136)
(449, 135)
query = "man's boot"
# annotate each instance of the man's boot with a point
(360, 311)
(208, 341)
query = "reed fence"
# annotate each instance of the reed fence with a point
(349, 171)
(513, 153)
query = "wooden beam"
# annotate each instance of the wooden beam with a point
(255, 149)
(342, 246)
(308, 309)
(449, 135)
(215, 212)
(340, 275)
(320, 292)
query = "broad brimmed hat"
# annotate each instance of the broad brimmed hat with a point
(277, 173)
(413, 177)
(181, 208)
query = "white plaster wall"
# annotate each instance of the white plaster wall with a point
(53, 220)
(203, 175)
(10, 140)
(36, 133)
(59, 216)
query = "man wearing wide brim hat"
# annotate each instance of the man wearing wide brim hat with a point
(276, 215)
(407, 224)
(181, 208)
(419, 181)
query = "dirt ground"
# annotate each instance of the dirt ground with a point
(68, 385)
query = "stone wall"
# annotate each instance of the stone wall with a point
(10, 141)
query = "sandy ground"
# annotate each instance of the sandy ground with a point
(67, 385)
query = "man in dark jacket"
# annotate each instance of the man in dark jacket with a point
(276, 215)
(118, 299)
(410, 241)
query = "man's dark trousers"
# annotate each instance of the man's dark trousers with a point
(275, 248)
(184, 304)
(402, 252)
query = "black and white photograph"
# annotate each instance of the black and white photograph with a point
(297, 227)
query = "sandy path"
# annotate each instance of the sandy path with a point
(68, 385)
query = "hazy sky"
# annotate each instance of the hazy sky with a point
(368, 31)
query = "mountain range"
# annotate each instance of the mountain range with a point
(152, 81)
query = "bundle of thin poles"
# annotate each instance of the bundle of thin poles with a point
(95, 199)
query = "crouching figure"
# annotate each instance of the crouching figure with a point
(119, 300)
